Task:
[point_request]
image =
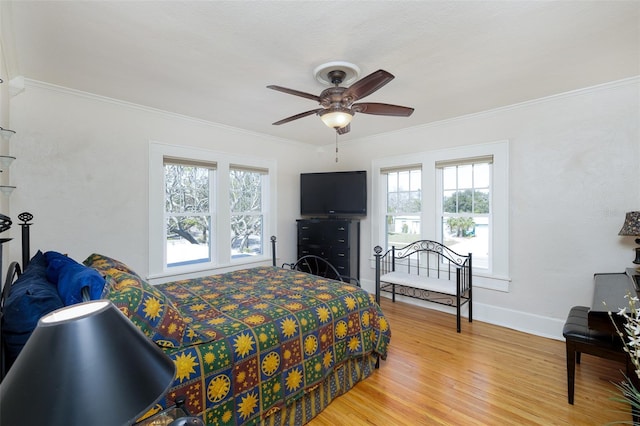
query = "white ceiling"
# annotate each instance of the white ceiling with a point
(212, 59)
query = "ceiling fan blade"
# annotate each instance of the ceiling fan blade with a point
(382, 109)
(343, 130)
(295, 92)
(295, 117)
(367, 85)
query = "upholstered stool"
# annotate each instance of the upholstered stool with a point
(581, 339)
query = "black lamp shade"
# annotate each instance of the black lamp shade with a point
(84, 365)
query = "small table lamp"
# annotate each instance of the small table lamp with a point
(631, 227)
(85, 364)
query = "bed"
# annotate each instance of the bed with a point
(264, 345)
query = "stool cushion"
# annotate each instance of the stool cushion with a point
(577, 329)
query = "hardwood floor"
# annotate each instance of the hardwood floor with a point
(486, 375)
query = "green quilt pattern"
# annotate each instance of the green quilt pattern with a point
(270, 334)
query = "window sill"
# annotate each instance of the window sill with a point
(196, 271)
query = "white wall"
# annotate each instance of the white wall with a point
(82, 171)
(574, 162)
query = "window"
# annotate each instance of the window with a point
(403, 206)
(459, 196)
(188, 212)
(207, 210)
(465, 193)
(245, 195)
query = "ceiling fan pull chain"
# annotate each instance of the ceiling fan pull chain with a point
(336, 145)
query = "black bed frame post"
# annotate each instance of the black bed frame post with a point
(25, 217)
(273, 249)
(377, 250)
(5, 224)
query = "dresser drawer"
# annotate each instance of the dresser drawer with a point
(336, 240)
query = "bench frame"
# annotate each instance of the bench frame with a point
(425, 263)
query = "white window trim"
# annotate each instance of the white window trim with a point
(222, 215)
(264, 212)
(497, 278)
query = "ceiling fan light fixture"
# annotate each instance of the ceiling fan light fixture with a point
(336, 118)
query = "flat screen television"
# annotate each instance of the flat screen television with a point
(333, 193)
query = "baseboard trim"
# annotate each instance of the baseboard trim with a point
(509, 318)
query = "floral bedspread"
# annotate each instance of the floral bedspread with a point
(268, 335)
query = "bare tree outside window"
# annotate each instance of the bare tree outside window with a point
(187, 213)
(245, 197)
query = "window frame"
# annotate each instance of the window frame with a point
(386, 172)
(211, 213)
(264, 185)
(497, 277)
(440, 166)
(221, 215)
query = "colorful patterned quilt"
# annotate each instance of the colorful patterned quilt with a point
(268, 336)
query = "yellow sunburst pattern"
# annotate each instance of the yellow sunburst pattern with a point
(323, 314)
(293, 380)
(354, 344)
(186, 365)
(310, 345)
(289, 327)
(152, 308)
(270, 363)
(243, 345)
(255, 319)
(229, 307)
(294, 306)
(218, 388)
(327, 359)
(341, 329)
(351, 303)
(247, 405)
(197, 307)
(365, 319)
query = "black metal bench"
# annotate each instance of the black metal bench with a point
(426, 270)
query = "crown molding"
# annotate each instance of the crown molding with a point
(635, 80)
(92, 96)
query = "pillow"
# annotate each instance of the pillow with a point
(32, 296)
(72, 277)
(150, 310)
(105, 264)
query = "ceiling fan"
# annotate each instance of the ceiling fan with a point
(338, 103)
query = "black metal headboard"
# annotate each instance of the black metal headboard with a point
(13, 271)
